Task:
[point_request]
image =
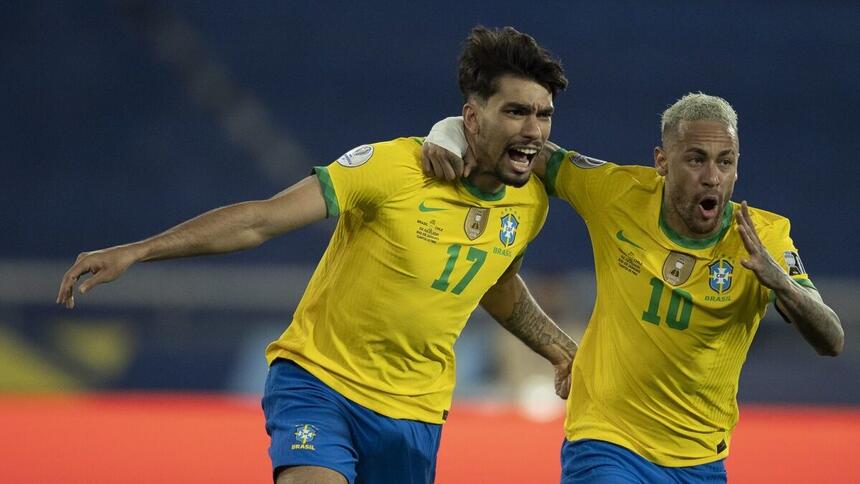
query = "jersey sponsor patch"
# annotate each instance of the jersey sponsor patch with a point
(583, 161)
(677, 268)
(795, 265)
(356, 156)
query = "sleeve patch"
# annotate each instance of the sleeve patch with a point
(794, 264)
(585, 162)
(356, 156)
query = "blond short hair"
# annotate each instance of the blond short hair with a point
(697, 106)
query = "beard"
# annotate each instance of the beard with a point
(688, 210)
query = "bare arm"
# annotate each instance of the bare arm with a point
(818, 324)
(510, 303)
(227, 229)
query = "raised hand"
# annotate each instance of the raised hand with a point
(105, 265)
(769, 273)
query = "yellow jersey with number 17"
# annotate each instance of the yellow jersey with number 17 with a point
(410, 259)
(658, 367)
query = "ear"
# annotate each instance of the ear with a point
(471, 110)
(660, 161)
(736, 164)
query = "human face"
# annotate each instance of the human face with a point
(506, 131)
(700, 163)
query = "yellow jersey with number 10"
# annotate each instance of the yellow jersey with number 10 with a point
(409, 261)
(659, 363)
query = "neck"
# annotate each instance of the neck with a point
(485, 181)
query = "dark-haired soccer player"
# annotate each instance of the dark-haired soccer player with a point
(684, 275)
(361, 380)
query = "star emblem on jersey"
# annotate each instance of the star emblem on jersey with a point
(508, 232)
(304, 434)
(720, 276)
(476, 222)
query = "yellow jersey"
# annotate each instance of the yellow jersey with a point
(410, 259)
(659, 363)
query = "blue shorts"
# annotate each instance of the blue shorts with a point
(311, 424)
(598, 462)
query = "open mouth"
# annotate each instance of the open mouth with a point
(708, 206)
(521, 157)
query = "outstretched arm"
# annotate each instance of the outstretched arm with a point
(226, 229)
(802, 306)
(510, 303)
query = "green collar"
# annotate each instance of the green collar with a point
(690, 243)
(478, 193)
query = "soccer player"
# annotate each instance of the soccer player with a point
(684, 275)
(361, 380)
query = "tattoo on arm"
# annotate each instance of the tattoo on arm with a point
(532, 326)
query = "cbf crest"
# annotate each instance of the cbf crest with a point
(720, 276)
(304, 434)
(476, 222)
(508, 232)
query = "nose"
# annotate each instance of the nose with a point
(532, 127)
(711, 175)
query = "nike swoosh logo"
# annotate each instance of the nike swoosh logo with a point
(622, 238)
(424, 208)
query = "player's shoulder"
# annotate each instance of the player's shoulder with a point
(767, 222)
(396, 154)
(585, 163)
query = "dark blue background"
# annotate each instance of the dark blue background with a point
(102, 144)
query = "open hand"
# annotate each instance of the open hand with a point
(769, 273)
(105, 265)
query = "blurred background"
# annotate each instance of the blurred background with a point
(119, 119)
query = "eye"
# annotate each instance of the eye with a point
(516, 112)
(696, 160)
(727, 162)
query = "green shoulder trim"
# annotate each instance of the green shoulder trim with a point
(691, 243)
(418, 139)
(800, 282)
(331, 207)
(478, 193)
(552, 167)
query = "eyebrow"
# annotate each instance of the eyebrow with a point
(703, 152)
(528, 108)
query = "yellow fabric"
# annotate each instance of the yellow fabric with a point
(660, 376)
(400, 277)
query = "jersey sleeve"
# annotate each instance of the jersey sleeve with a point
(777, 240)
(580, 180)
(367, 175)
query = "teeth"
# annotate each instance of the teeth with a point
(526, 151)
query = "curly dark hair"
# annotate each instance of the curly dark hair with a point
(490, 54)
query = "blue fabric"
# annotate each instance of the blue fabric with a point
(598, 462)
(311, 424)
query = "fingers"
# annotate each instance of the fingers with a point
(747, 231)
(562, 388)
(468, 165)
(425, 162)
(441, 163)
(67, 285)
